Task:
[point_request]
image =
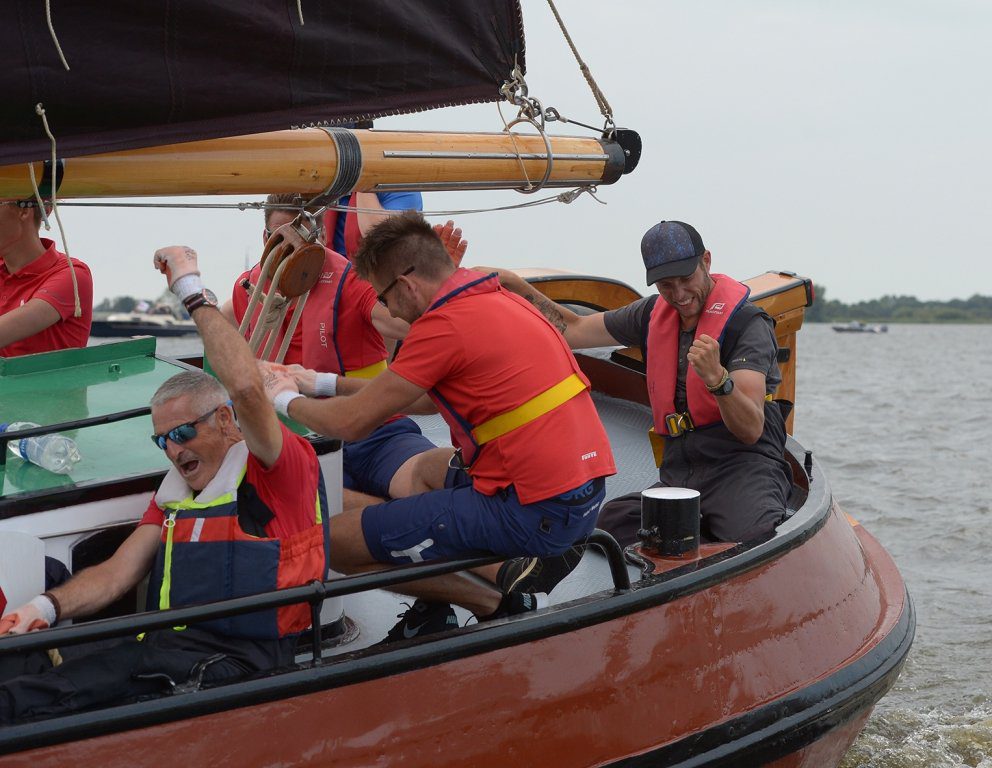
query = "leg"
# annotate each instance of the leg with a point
(621, 517)
(395, 461)
(423, 472)
(350, 554)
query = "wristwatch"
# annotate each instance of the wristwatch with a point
(725, 387)
(204, 298)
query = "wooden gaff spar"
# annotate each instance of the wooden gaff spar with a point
(331, 162)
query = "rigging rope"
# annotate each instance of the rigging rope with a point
(604, 106)
(40, 111)
(566, 197)
(51, 31)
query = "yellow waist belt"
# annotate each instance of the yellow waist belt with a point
(534, 408)
(369, 371)
(684, 424)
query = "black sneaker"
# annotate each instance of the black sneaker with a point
(514, 603)
(422, 618)
(537, 574)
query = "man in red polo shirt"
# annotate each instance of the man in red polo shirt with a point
(533, 448)
(37, 300)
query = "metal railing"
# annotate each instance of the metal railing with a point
(314, 593)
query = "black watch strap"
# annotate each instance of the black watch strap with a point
(204, 298)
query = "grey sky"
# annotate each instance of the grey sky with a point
(847, 141)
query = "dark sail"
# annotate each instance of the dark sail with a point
(167, 71)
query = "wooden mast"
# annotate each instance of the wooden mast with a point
(333, 161)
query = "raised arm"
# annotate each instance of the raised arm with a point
(229, 356)
(388, 326)
(580, 331)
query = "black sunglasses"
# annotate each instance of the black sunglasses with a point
(382, 296)
(185, 432)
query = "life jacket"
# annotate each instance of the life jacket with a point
(205, 555)
(469, 438)
(321, 344)
(726, 298)
(352, 234)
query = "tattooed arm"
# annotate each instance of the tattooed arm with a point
(580, 331)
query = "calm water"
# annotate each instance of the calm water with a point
(901, 423)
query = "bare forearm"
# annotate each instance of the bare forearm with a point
(89, 591)
(223, 346)
(333, 417)
(421, 407)
(742, 416)
(560, 317)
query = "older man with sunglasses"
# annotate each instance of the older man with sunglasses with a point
(242, 506)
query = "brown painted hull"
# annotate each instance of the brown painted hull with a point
(708, 677)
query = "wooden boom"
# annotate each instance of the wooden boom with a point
(335, 161)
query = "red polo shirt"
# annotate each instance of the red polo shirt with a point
(48, 278)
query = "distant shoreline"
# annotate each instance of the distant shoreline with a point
(890, 310)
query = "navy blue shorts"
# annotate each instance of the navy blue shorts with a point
(369, 464)
(455, 522)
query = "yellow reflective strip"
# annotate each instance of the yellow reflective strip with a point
(318, 515)
(368, 372)
(163, 593)
(534, 408)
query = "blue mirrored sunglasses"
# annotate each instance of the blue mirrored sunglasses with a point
(185, 432)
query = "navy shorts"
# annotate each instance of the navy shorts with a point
(455, 522)
(369, 464)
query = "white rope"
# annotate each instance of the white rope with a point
(516, 149)
(40, 111)
(299, 10)
(55, 39)
(566, 197)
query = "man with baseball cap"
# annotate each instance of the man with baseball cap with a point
(710, 358)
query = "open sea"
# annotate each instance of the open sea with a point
(901, 422)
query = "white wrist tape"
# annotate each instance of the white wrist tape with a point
(282, 401)
(45, 608)
(187, 285)
(325, 385)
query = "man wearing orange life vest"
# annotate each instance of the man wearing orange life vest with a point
(711, 362)
(341, 332)
(242, 510)
(535, 450)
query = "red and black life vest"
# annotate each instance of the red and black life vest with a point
(205, 555)
(726, 298)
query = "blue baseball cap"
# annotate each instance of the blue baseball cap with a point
(671, 249)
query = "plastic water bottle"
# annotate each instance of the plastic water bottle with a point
(56, 453)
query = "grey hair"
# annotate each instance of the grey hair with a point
(205, 390)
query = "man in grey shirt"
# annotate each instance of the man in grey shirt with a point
(710, 358)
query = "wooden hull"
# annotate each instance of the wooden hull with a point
(761, 653)
(780, 656)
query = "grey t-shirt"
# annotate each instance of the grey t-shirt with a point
(756, 348)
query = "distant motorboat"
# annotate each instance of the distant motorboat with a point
(856, 326)
(160, 320)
